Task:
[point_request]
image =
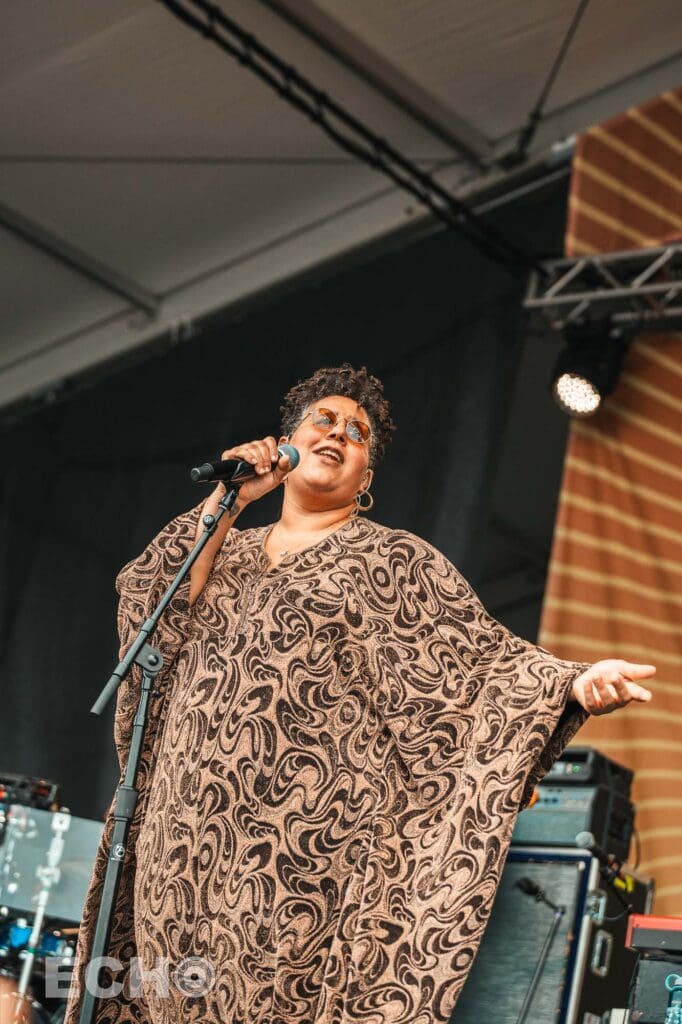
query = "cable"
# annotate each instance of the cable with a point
(638, 847)
(630, 997)
(621, 914)
(346, 130)
(527, 133)
(362, 66)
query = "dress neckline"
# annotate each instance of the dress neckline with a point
(265, 532)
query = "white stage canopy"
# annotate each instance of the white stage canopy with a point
(148, 179)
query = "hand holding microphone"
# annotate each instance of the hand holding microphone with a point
(257, 467)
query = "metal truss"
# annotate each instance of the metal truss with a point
(638, 288)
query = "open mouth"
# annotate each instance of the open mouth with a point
(329, 455)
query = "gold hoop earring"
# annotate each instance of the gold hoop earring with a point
(359, 507)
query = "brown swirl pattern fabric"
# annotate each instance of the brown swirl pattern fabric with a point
(338, 754)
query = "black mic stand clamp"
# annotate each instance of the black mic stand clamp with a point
(150, 660)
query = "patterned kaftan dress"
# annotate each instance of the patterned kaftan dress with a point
(329, 782)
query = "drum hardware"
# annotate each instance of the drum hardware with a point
(45, 865)
(29, 838)
(49, 875)
(37, 1005)
(46, 858)
(27, 790)
(54, 942)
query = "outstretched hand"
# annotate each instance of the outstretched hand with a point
(610, 684)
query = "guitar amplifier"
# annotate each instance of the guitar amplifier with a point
(562, 811)
(587, 764)
(588, 969)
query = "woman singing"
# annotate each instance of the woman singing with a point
(341, 744)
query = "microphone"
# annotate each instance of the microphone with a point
(532, 888)
(587, 841)
(237, 471)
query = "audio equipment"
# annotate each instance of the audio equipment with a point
(657, 936)
(657, 995)
(586, 969)
(581, 765)
(651, 993)
(563, 811)
(28, 790)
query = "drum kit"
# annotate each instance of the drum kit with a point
(46, 859)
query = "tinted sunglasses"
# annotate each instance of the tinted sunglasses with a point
(356, 430)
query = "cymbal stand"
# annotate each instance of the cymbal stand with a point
(49, 875)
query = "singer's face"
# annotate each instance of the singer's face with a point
(330, 479)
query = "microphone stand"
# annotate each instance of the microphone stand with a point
(611, 875)
(610, 868)
(558, 912)
(150, 661)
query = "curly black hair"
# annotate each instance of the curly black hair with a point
(345, 380)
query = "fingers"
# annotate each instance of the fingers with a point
(624, 688)
(614, 692)
(639, 693)
(635, 671)
(270, 468)
(273, 452)
(283, 465)
(589, 699)
(261, 454)
(606, 689)
(605, 696)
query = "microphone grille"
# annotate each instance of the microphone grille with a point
(288, 449)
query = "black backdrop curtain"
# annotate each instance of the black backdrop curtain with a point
(438, 322)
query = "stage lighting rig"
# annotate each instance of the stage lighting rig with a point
(641, 288)
(599, 301)
(587, 369)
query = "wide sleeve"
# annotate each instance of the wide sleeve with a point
(457, 690)
(140, 585)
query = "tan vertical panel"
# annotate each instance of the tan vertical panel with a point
(615, 579)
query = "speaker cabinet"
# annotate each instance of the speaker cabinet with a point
(588, 970)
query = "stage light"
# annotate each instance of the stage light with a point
(587, 369)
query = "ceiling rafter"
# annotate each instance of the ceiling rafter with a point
(84, 264)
